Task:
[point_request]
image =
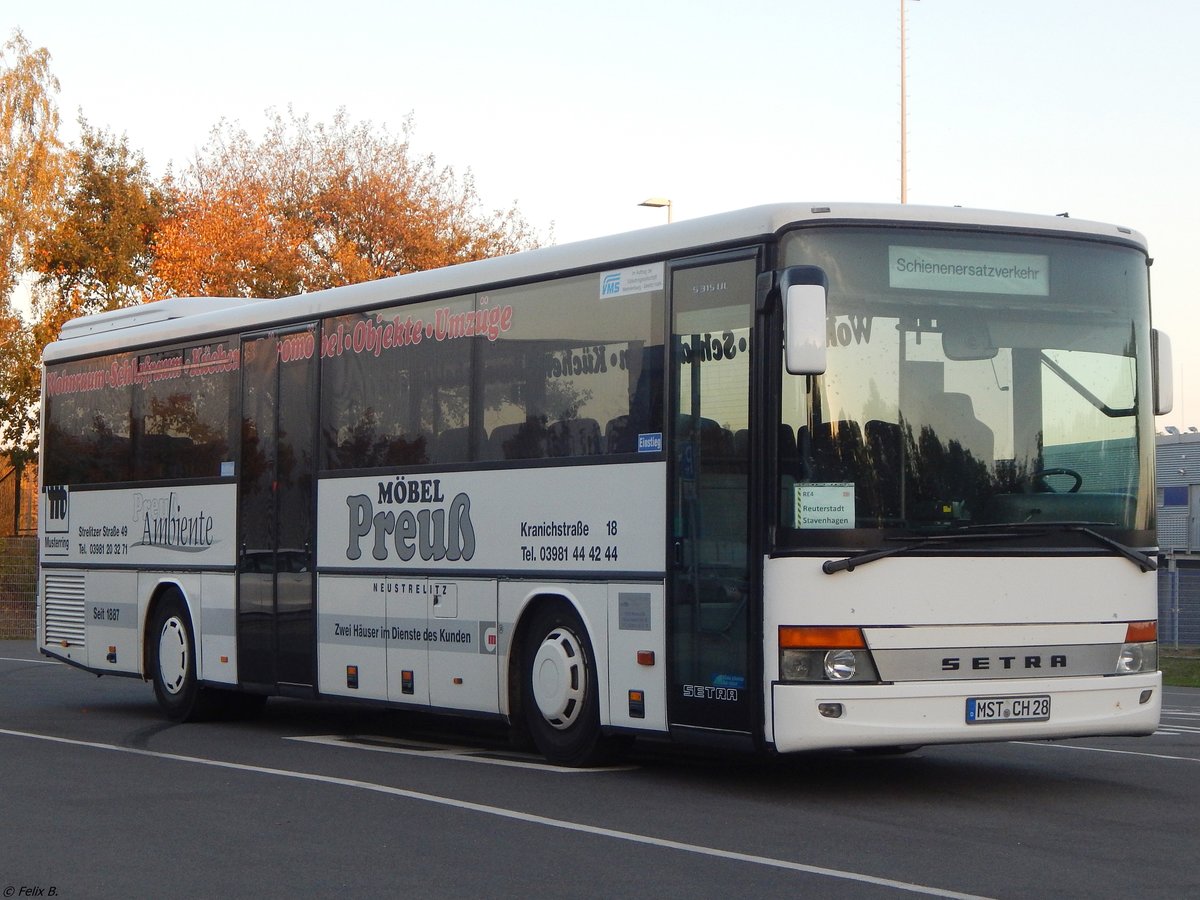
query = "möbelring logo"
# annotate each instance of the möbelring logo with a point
(433, 532)
(166, 525)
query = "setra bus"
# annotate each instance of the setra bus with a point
(788, 478)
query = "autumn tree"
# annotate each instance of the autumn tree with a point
(96, 256)
(226, 235)
(29, 145)
(30, 174)
(20, 384)
(312, 206)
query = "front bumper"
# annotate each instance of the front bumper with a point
(906, 714)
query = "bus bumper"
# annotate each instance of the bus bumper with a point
(806, 717)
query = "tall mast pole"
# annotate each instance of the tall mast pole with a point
(903, 113)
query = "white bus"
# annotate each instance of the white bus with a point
(788, 478)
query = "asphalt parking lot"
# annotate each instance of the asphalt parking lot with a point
(105, 798)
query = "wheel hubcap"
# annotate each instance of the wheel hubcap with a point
(173, 655)
(560, 678)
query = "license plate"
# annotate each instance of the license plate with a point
(985, 710)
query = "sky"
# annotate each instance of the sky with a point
(577, 112)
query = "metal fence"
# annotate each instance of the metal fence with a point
(1179, 603)
(18, 587)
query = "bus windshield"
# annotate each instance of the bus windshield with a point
(973, 379)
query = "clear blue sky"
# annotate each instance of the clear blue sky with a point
(578, 112)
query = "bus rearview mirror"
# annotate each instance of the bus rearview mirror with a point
(1164, 385)
(804, 329)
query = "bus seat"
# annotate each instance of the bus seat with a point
(962, 424)
(837, 451)
(741, 442)
(790, 462)
(406, 450)
(574, 437)
(880, 495)
(453, 445)
(619, 437)
(951, 418)
(715, 441)
(520, 440)
(884, 445)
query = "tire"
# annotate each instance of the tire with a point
(173, 663)
(559, 689)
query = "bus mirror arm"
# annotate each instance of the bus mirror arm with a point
(805, 296)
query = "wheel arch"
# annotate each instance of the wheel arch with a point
(167, 587)
(538, 600)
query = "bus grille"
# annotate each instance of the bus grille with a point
(64, 610)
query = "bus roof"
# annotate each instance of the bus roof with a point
(181, 318)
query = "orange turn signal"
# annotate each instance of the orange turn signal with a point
(1141, 632)
(821, 637)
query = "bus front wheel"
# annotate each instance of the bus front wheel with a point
(559, 689)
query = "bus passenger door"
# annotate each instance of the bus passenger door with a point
(276, 500)
(710, 599)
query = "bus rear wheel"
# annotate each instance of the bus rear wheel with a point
(559, 689)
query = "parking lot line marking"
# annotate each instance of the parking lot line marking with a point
(40, 662)
(1192, 759)
(446, 751)
(514, 815)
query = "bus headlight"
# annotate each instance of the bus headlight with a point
(795, 665)
(823, 654)
(1139, 653)
(1137, 658)
(840, 665)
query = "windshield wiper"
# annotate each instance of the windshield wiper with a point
(986, 532)
(1137, 557)
(830, 566)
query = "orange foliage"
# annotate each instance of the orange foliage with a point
(226, 243)
(315, 206)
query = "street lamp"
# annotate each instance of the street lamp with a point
(658, 203)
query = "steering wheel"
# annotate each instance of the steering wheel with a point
(1038, 480)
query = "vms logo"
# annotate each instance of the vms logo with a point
(611, 285)
(489, 637)
(57, 509)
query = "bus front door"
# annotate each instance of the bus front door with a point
(710, 582)
(276, 500)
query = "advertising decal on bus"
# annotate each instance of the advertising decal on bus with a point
(570, 519)
(194, 524)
